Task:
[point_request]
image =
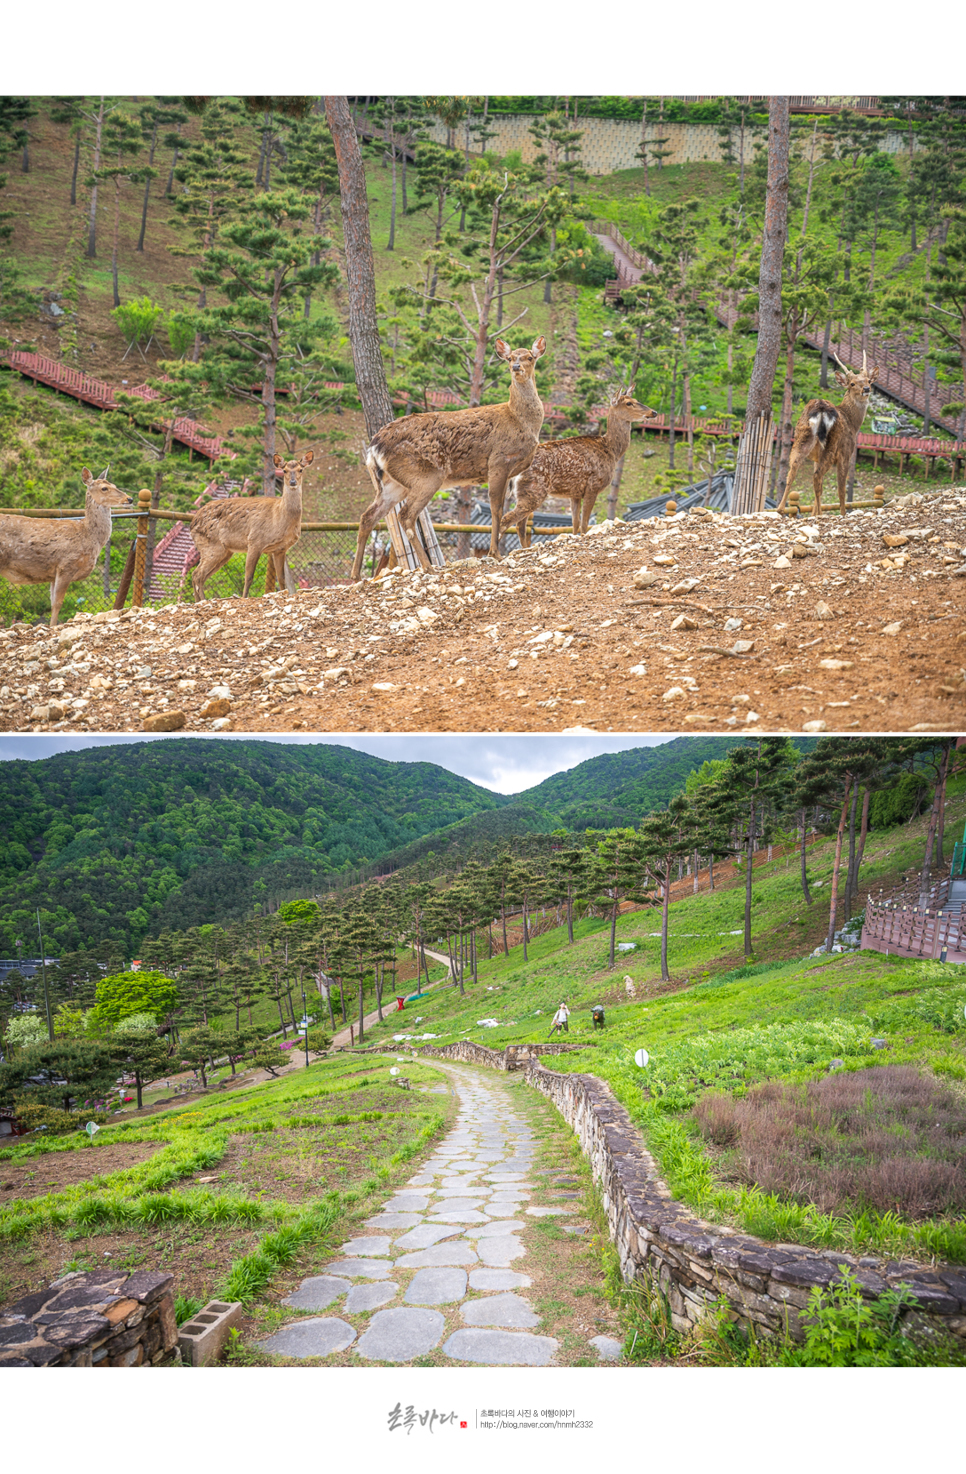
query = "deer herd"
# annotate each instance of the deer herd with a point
(408, 461)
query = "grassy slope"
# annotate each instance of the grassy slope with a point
(798, 1012)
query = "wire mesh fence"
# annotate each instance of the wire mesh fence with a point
(322, 557)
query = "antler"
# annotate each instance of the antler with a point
(841, 364)
(863, 360)
(103, 475)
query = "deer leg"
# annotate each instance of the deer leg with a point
(843, 475)
(497, 490)
(211, 558)
(388, 493)
(251, 563)
(576, 515)
(284, 576)
(590, 497)
(58, 591)
(817, 478)
(793, 463)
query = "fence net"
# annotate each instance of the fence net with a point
(318, 560)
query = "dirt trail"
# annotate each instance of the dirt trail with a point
(849, 634)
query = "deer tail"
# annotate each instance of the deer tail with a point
(821, 423)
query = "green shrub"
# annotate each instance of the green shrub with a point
(138, 319)
(55, 1122)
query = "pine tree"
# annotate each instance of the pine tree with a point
(261, 268)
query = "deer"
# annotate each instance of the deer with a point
(252, 525)
(60, 552)
(579, 466)
(826, 433)
(409, 460)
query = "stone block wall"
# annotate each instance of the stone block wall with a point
(698, 1263)
(102, 1318)
(514, 1057)
(609, 144)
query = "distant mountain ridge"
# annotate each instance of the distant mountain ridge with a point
(124, 841)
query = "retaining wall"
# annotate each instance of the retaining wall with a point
(104, 1318)
(697, 1263)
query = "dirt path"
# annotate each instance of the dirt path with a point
(550, 640)
(489, 1217)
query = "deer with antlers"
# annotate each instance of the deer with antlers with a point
(252, 525)
(826, 433)
(411, 459)
(60, 552)
(579, 466)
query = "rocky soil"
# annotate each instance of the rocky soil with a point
(695, 622)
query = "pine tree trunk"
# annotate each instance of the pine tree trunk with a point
(937, 803)
(117, 235)
(850, 873)
(73, 177)
(363, 328)
(787, 426)
(770, 275)
(570, 916)
(863, 834)
(147, 190)
(92, 226)
(665, 914)
(748, 881)
(836, 867)
(805, 890)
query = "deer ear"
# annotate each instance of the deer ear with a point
(86, 476)
(501, 349)
(539, 348)
(842, 380)
(308, 458)
(278, 460)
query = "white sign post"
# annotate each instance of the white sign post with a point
(641, 1058)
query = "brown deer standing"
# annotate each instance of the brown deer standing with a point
(826, 433)
(60, 552)
(252, 525)
(579, 466)
(413, 458)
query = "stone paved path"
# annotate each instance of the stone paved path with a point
(453, 1238)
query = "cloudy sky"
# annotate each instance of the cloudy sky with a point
(504, 764)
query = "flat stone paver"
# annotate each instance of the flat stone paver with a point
(310, 1338)
(371, 1296)
(318, 1292)
(454, 1236)
(501, 1251)
(500, 1228)
(440, 1256)
(499, 1279)
(509, 1310)
(393, 1220)
(370, 1269)
(500, 1348)
(408, 1203)
(400, 1334)
(436, 1287)
(426, 1235)
(607, 1348)
(368, 1247)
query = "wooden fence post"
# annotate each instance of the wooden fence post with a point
(751, 467)
(141, 542)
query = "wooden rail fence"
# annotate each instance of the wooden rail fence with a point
(935, 931)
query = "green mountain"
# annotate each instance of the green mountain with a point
(121, 842)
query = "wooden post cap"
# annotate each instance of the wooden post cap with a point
(671, 508)
(144, 499)
(878, 493)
